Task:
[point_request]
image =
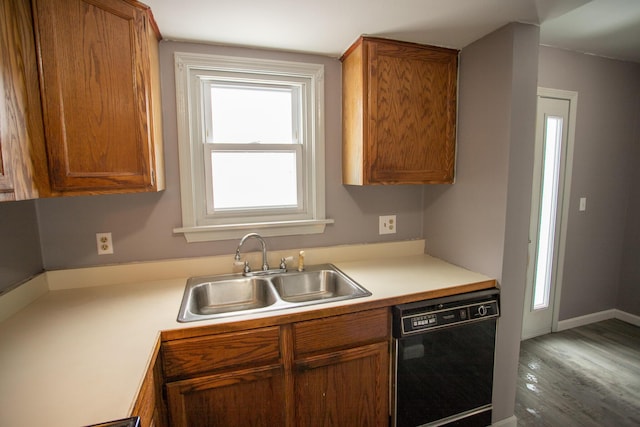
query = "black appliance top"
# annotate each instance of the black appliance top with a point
(428, 315)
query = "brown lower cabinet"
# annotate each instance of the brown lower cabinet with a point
(249, 397)
(331, 371)
(149, 404)
(343, 388)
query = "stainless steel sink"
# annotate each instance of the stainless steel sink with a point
(223, 295)
(318, 285)
(211, 297)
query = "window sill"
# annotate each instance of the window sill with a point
(266, 229)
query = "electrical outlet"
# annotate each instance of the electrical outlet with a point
(105, 244)
(388, 224)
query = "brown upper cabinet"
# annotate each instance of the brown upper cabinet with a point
(399, 113)
(99, 84)
(23, 172)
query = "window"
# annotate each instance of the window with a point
(549, 190)
(251, 142)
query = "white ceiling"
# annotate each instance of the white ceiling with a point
(609, 28)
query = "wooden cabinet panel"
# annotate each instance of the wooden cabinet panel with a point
(251, 397)
(23, 173)
(332, 371)
(194, 356)
(335, 332)
(346, 388)
(149, 404)
(399, 113)
(6, 177)
(96, 76)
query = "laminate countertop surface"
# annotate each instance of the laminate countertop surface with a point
(75, 357)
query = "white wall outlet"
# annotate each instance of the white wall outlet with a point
(105, 244)
(388, 224)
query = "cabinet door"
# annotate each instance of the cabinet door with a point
(251, 397)
(412, 109)
(344, 388)
(6, 182)
(23, 173)
(94, 72)
(8, 22)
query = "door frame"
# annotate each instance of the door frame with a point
(572, 98)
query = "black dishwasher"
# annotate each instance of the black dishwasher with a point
(442, 364)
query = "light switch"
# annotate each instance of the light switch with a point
(583, 204)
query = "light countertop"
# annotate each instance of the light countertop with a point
(78, 356)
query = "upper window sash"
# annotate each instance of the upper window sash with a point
(298, 107)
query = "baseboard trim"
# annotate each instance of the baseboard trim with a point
(532, 334)
(628, 317)
(598, 317)
(512, 421)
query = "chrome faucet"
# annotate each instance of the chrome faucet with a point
(265, 265)
(246, 270)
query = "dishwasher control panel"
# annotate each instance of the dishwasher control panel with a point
(424, 316)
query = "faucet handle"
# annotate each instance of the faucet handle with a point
(283, 262)
(244, 264)
(246, 268)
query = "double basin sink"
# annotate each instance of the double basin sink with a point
(211, 297)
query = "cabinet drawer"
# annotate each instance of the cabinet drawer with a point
(348, 330)
(210, 353)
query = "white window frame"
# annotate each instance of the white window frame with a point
(198, 224)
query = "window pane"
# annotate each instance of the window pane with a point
(259, 179)
(251, 114)
(548, 209)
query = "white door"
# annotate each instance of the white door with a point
(549, 209)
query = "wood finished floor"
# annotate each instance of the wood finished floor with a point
(585, 376)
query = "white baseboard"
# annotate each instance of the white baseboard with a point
(512, 421)
(628, 317)
(532, 334)
(598, 317)
(586, 319)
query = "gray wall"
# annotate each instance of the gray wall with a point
(481, 222)
(20, 256)
(629, 294)
(142, 224)
(605, 171)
